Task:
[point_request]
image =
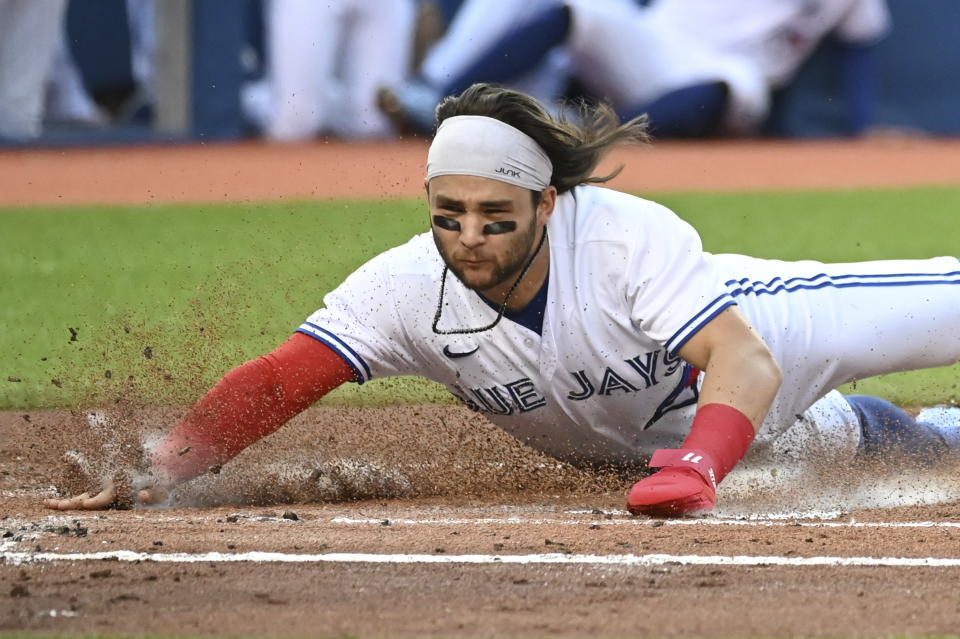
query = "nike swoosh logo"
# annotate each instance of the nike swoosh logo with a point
(453, 355)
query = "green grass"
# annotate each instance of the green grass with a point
(206, 287)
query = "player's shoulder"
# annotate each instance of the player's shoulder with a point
(402, 274)
(416, 257)
(599, 214)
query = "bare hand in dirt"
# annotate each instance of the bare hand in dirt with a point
(106, 498)
(100, 484)
(84, 501)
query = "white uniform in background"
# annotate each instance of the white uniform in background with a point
(29, 33)
(142, 20)
(632, 56)
(629, 284)
(475, 27)
(325, 62)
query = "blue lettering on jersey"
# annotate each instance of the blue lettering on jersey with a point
(525, 395)
(612, 382)
(671, 363)
(517, 396)
(647, 369)
(644, 365)
(492, 401)
(521, 395)
(586, 387)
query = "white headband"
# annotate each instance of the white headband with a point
(486, 147)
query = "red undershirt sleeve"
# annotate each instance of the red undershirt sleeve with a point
(250, 402)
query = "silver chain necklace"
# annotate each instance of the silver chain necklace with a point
(503, 307)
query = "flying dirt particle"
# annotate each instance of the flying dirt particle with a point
(594, 526)
(148, 352)
(658, 523)
(385, 522)
(708, 584)
(26, 418)
(267, 598)
(125, 597)
(43, 359)
(183, 451)
(57, 383)
(520, 582)
(439, 550)
(289, 514)
(74, 333)
(19, 590)
(101, 574)
(158, 543)
(108, 374)
(215, 470)
(14, 379)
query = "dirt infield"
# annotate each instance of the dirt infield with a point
(255, 171)
(453, 529)
(503, 543)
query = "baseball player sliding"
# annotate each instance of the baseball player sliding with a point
(592, 326)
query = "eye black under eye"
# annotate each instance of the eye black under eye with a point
(446, 223)
(498, 228)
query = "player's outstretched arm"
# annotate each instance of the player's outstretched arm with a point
(742, 378)
(250, 402)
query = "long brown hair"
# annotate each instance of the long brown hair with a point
(575, 143)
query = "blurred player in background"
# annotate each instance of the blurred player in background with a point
(592, 326)
(29, 34)
(325, 62)
(695, 67)
(475, 27)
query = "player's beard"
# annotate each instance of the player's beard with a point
(506, 266)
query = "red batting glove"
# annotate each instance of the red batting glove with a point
(672, 492)
(719, 438)
(685, 486)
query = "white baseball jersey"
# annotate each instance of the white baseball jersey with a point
(629, 284)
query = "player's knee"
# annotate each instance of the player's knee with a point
(888, 431)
